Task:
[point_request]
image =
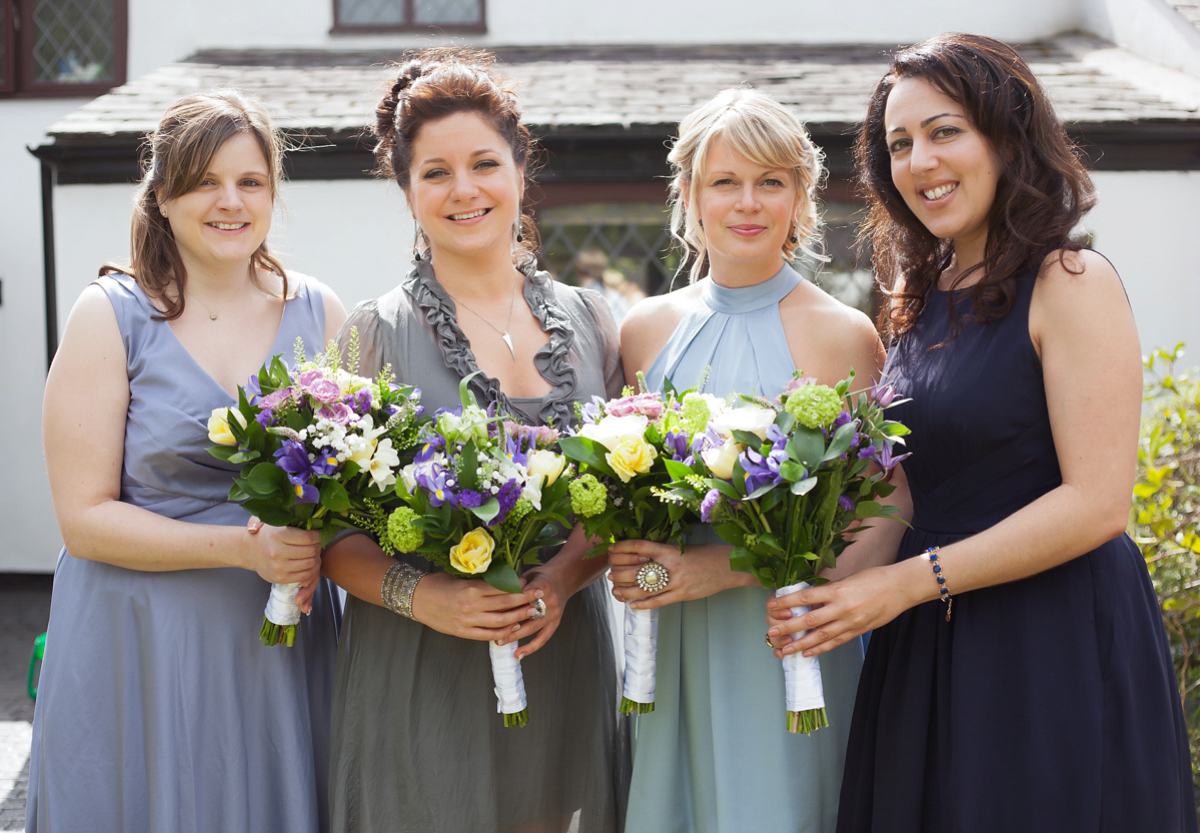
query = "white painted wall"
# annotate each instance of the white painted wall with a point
(1145, 223)
(30, 537)
(1150, 28)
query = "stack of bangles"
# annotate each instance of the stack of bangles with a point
(943, 590)
(399, 583)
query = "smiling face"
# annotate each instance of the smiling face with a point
(747, 212)
(465, 188)
(944, 168)
(223, 220)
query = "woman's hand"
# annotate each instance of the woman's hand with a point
(308, 585)
(283, 554)
(842, 610)
(701, 572)
(548, 584)
(469, 608)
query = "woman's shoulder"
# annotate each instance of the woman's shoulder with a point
(825, 317)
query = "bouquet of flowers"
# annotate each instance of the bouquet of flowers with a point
(784, 483)
(319, 449)
(623, 447)
(480, 499)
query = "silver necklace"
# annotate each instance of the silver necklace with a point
(212, 313)
(503, 333)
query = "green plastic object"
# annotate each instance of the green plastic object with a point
(39, 651)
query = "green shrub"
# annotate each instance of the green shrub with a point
(1166, 519)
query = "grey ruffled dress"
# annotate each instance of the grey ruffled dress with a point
(158, 707)
(418, 744)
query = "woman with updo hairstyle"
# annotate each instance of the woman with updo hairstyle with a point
(714, 755)
(418, 744)
(158, 707)
(1018, 676)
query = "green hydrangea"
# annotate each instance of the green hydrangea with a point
(402, 532)
(588, 496)
(694, 414)
(814, 406)
(520, 509)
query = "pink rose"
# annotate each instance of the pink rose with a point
(649, 405)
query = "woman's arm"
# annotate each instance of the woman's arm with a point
(83, 425)
(1083, 329)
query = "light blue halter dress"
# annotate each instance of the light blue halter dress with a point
(158, 708)
(715, 755)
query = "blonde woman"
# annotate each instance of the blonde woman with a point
(714, 755)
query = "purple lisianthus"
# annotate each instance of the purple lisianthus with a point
(708, 504)
(649, 405)
(846, 503)
(276, 398)
(507, 498)
(361, 401)
(337, 412)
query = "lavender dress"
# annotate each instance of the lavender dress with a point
(159, 709)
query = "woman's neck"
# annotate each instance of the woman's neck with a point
(735, 275)
(482, 279)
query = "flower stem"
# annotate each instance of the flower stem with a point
(633, 707)
(516, 719)
(807, 722)
(272, 634)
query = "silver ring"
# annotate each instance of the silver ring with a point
(653, 577)
(539, 609)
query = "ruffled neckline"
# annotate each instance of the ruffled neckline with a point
(749, 298)
(552, 360)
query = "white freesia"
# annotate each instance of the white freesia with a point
(720, 459)
(610, 430)
(383, 464)
(750, 418)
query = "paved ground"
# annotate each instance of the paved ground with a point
(24, 610)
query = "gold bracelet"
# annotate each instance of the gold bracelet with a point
(399, 584)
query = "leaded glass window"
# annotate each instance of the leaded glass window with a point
(367, 15)
(582, 240)
(846, 275)
(62, 47)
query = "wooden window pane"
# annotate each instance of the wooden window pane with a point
(74, 42)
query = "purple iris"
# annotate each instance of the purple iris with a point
(677, 443)
(886, 460)
(762, 471)
(326, 463)
(253, 388)
(265, 417)
(432, 479)
(432, 446)
(293, 459)
(708, 504)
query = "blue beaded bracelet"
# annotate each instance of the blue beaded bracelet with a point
(941, 580)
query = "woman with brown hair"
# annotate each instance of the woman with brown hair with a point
(1018, 677)
(159, 708)
(417, 742)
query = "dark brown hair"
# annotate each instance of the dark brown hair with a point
(176, 157)
(439, 82)
(1042, 192)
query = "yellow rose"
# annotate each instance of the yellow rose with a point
(721, 459)
(218, 425)
(473, 553)
(630, 456)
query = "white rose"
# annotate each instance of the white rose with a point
(611, 430)
(750, 418)
(546, 464)
(720, 460)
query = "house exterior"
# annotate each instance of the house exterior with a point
(602, 85)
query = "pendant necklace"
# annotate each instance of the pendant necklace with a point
(504, 336)
(212, 313)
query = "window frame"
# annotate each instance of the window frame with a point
(340, 28)
(18, 61)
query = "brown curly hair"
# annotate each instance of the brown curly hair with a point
(1042, 193)
(439, 82)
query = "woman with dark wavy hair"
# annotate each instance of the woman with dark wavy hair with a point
(418, 744)
(1019, 676)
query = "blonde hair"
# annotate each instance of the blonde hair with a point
(763, 131)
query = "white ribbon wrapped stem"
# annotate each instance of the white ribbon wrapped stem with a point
(641, 647)
(801, 674)
(506, 673)
(281, 605)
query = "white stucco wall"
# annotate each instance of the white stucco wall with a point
(1145, 223)
(1150, 28)
(30, 536)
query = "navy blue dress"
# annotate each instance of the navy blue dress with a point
(1046, 704)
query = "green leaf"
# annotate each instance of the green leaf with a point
(840, 442)
(867, 509)
(265, 479)
(587, 451)
(487, 511)
(502, 576)
(803, 487)
(741, 560)
(807, 445)
(747, 439)
(731, 534)
(333, 495)
(791, 471)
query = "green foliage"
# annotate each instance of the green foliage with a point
(1166, 519)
